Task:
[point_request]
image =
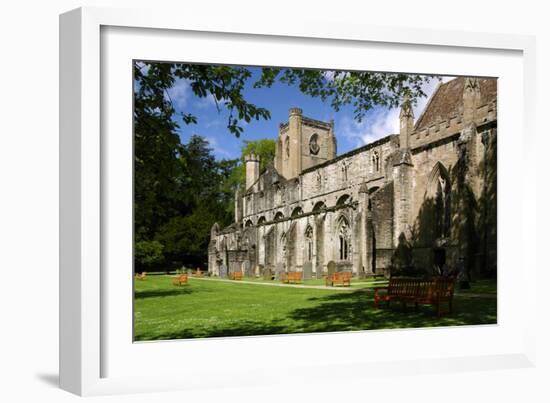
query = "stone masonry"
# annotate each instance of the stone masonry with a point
(432, 187)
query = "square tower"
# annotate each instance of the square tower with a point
(303, 143)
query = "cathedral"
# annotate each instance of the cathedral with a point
(423, 198)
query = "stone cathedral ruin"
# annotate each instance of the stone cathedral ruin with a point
(423, 198)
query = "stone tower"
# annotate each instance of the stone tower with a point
(252, 162)
(302, 143)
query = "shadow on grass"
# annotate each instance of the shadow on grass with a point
(344, 312)
(245, 328)
(355, 310)
(162, 293)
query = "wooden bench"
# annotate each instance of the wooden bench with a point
(236, 275)
(198, 273)
(292, 277)
(342, 277)
(434, 292)
(182, 279)
(141, 276)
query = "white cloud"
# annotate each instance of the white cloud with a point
(213, 123)
(379, 124)
(180, 93)
(209, 102)
(206, 102)
(328, 74)
(218, 149)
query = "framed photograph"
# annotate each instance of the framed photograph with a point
(243, 203)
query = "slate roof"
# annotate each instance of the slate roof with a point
(447, 100)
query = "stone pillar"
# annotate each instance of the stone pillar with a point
(252, 162)
(278, 160)
(467, 180)
(320, 246)
(261, 245)
(238, 206)
(471, 98)
(406, 124)
(402, 195)
(364, 209)
(403, 174)
(331, 152)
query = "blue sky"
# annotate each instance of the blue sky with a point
(350, 134)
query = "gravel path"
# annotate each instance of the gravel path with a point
(317, 287)
(459, 293)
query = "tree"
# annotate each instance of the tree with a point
(264, 148)
(362, 89)
(185, 238)
(147, 254)
(177, 184)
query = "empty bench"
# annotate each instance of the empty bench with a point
(182, 279)
(343, 278)
(236, 275)
(434, 292)
(291, 277)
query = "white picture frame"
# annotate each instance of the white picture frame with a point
(96, 355)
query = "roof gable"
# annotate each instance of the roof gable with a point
(446, 101)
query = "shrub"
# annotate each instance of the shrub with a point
(148, 254)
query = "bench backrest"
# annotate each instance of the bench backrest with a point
(421, 288)
(341, 276)
(444, 287)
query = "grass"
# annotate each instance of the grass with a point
(211, 308)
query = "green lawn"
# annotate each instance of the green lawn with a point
(211, 308)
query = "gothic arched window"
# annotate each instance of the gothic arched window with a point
(440, 192)
(344, 172)
(343, 200)
(287, 146)
(314, 144)
(283, 244)
(343, 238)
(319, 206)
(309, 243)
(442, 208)
(297, 212)
(375, 161)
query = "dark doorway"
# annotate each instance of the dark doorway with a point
(439, 257)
